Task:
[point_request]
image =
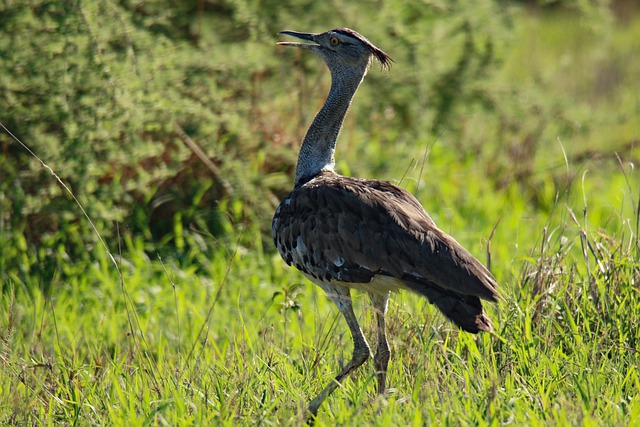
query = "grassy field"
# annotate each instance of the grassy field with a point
(219, 331)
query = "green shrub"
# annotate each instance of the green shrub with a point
(159, 113)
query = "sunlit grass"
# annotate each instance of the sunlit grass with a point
(243, 342)
(224, 333)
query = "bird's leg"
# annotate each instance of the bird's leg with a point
(341, 296)
(381, 359)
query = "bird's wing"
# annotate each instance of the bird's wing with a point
(351, 230)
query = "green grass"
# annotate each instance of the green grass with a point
(222, 332)
(224, 348)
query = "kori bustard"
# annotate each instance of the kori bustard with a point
(347, 233)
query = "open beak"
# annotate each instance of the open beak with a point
(303, 36)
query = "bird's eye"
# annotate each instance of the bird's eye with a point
(334, 41)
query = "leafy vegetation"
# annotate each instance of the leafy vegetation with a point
(176, 126)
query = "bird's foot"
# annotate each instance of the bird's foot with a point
(311, 413)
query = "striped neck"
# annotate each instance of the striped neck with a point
(319, 144)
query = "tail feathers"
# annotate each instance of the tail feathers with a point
(464, 310)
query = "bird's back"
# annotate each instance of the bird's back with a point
(362, 233)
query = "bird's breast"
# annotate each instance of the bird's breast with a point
(304, 236)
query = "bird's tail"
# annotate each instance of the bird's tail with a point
(464, 310)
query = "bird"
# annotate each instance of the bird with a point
(346, 233)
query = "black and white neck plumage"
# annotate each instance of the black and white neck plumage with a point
(348, 56)
(347, 233)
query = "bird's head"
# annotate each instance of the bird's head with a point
(341, 49)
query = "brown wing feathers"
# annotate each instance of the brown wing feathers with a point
(352, 230)
(464, 310)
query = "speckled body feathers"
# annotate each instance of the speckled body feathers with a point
(351, 231)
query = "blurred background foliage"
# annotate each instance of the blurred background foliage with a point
(177, 120)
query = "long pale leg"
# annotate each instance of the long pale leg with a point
(341, 296)
(381, 359)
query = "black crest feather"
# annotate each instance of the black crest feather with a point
(384, 59)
